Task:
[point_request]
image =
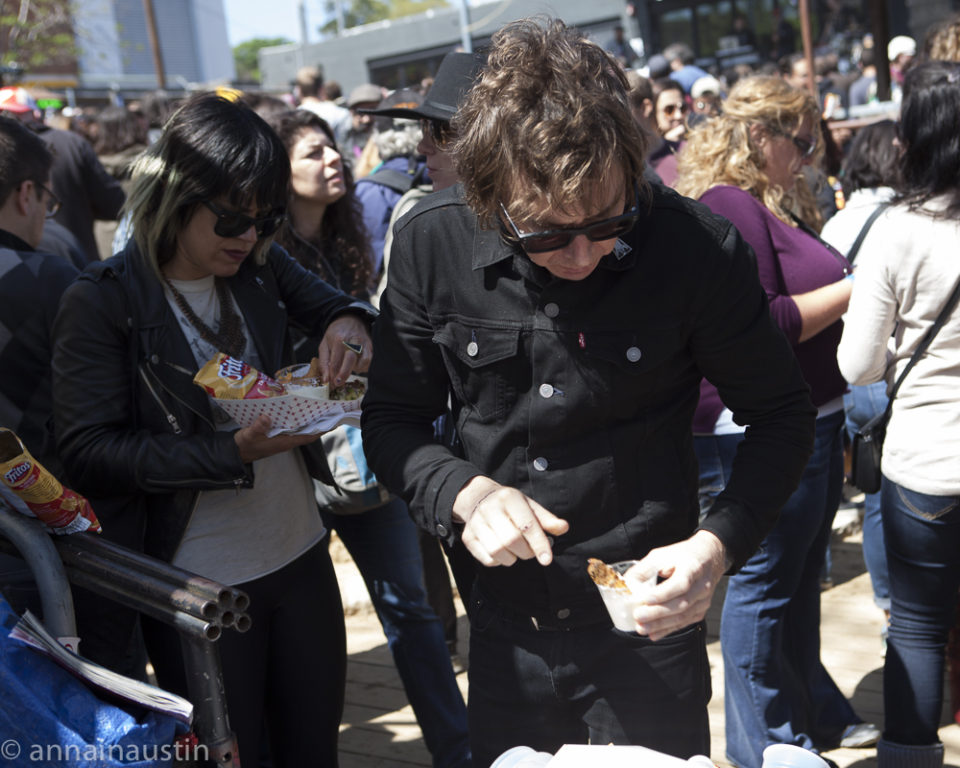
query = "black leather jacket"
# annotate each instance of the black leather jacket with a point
(136, 435)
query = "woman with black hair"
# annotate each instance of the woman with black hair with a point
(325, 234)
(168, 471)
(908, 268)
(324, 230)
(869, 176)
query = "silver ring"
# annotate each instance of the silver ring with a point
(354, 347)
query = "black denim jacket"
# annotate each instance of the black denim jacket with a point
(581, 394)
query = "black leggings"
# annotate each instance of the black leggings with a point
(289, 669)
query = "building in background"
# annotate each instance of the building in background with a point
(112, 53)
(400, 52)
(115, 46)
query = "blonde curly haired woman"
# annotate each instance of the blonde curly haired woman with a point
(746, 165)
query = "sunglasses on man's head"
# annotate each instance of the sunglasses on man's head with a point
(439, 131)
(234, 223)
(555, 239)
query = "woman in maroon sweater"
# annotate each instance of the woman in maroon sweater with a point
(745, 165)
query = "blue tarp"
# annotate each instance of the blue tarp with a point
(50, 717)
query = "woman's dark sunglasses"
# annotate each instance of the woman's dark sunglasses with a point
(555, 239)
(438, 130)
(806, 147)
(234, 224)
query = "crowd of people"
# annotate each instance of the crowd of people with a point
(601, 315)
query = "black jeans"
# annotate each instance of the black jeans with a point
(288, 671)
(545, 688)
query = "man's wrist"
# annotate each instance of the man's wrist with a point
(470, 496)
(721, 556)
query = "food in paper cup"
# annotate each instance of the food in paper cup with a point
(622, 591)
(301, 404)
(60, 509)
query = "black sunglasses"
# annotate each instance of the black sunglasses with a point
(555, 239)
(234, 224)
(438, 130)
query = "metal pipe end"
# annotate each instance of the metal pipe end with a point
(242, 622)
(241, 601)
(212, 632)
(227, 618)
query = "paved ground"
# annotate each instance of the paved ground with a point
(379, 729)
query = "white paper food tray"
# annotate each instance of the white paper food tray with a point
(294, 414)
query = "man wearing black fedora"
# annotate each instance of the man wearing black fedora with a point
(456, 74)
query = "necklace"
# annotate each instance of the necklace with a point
(229, 337)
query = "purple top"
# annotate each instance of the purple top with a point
(790, 261)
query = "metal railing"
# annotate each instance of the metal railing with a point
(198, 608)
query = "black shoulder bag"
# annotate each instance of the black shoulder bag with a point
(868, 440)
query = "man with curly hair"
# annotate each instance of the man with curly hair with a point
(568, 311)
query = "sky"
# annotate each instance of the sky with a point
(247, 19)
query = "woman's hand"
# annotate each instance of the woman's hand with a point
(254, 443)
(345, 348)
(676, 133)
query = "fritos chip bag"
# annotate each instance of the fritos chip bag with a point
(227, 378)
(60, 509)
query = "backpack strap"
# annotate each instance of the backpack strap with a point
(854, 249)
(395, 180)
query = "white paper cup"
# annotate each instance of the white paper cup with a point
(622, 602)
(791, 756)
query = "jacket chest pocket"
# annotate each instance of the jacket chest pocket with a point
(627, 363)
(484, 367)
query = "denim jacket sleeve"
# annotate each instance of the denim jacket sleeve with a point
(404, 454)
(740, 350)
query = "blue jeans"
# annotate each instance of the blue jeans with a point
(777, 690)
(862, 404)
(923, 541)
(383, 544)
(715, 457)
(547, 688)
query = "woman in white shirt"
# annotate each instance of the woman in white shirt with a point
(908, 268)
(870, 172)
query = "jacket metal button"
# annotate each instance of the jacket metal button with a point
(281, 305)
(563, 613)
(551, 310)
(155, 359)
(546, 390)
(633, 354)
(472, 349)
(540, 464)
(441, 529)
